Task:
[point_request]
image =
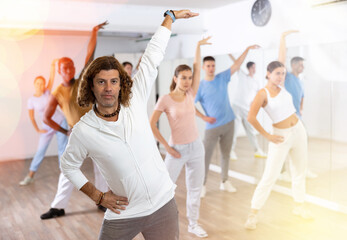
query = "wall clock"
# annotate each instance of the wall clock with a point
(261, 12)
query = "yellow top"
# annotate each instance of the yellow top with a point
(67, 100)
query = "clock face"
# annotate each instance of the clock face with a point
(261, 12)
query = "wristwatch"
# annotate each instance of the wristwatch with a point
(171, 14)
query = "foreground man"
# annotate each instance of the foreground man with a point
(117, 136)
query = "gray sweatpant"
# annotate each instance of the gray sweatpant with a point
(162, 224)
(224, 134)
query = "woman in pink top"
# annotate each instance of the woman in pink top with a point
(185, 146)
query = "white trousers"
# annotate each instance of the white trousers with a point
(294, 144)
(241, 118)
(65, 188)
(193, 158)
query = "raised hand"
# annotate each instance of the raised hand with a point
(204, 41)
(185, 14)
(100, 26)
(55, 61)
(289, 32)
(254, 46)
(114, 202)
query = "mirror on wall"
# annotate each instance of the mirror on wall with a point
(325, 84)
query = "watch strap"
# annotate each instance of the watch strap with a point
(171, 14)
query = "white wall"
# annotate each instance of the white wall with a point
(83, 15)
(322, 41)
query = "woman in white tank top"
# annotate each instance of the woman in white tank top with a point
(288, 137)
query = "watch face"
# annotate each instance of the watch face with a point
(261, 12)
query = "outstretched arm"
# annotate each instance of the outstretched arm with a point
(52, 75)
(92, 42)
(178, 15)
(283, 46)
(238, 62)
(197, 64)
(153, 55)
(232, 57)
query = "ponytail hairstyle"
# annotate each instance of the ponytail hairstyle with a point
(180, 68)
(273, 65)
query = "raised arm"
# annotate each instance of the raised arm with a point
(283, 46)
(178, 15)
(237, 64)
(49, 112)
(52, 75)
(234, 60)
(197, 64)
(232, 57)
(153, 55)
(259, 101)
(153, 121)
(92, 42)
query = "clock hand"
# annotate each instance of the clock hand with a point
(262, 10)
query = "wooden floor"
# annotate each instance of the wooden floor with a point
(222, 214)
(326, 159)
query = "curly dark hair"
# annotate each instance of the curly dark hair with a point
(85, 95)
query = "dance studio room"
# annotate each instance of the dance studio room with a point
(166, 120)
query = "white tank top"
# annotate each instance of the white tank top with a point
(280, 107)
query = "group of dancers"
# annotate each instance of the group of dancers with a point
(104, 117)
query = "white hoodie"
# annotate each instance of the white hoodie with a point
(125, 151)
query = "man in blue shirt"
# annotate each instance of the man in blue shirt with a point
(214, 99)
(294, 86)
(292, 82)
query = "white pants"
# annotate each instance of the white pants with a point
(241, 117)
(294, 144)
(65, 188)
(192, 156)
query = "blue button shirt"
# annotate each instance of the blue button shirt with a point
(214, 99)
(294, 86)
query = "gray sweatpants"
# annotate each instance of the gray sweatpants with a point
(162, 224)
(224, 134)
